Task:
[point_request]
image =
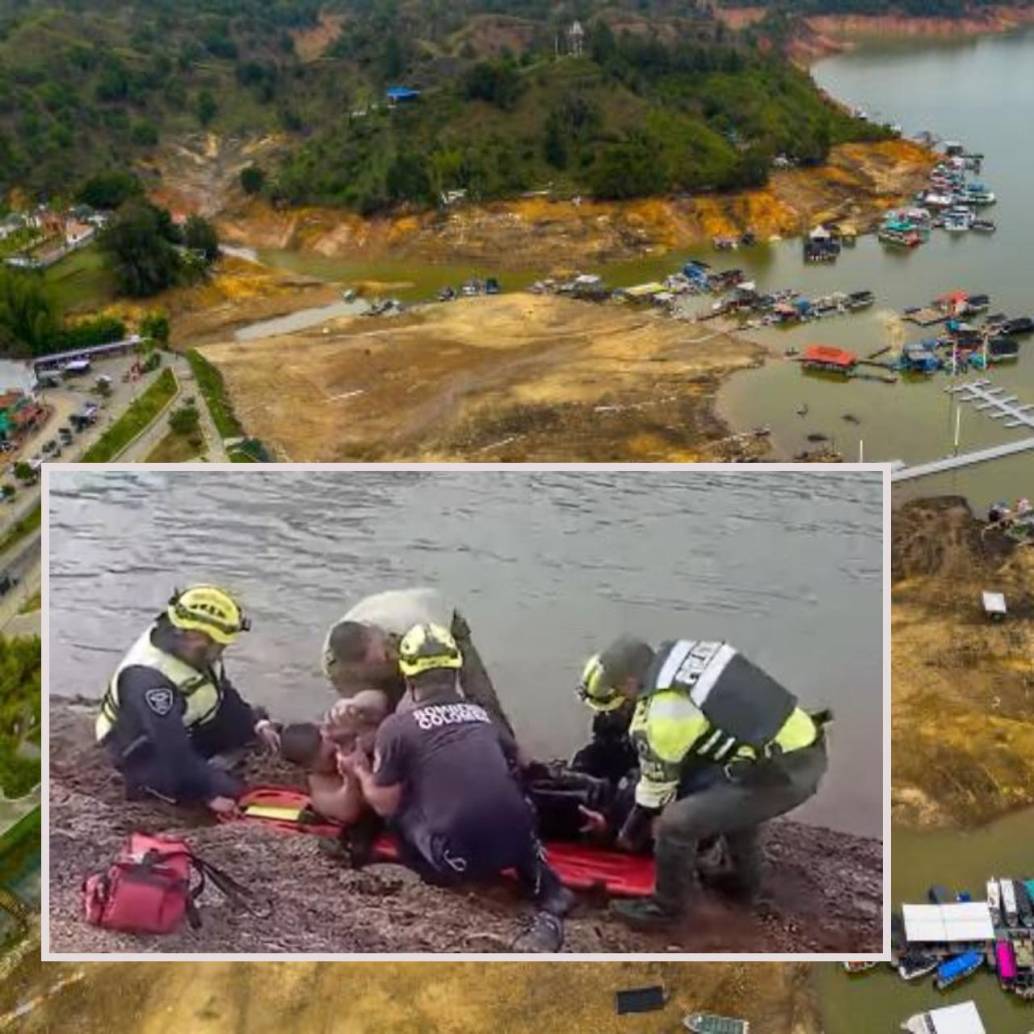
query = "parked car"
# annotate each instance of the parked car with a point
(7, 583)
(50, 447)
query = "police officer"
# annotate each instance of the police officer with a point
(168, 710)
(704, 712)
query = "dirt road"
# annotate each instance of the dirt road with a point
(511, 377)
(823, 890)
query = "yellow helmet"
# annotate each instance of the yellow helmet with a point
(426, 648)
(208, 609)
(594, 690)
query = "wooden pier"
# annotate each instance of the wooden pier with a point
(999, 406)
(925, 317)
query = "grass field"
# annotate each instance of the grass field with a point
(81, 281)
(133, 421)
(175, 448)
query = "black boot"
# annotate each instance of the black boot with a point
(743, 883)
(676, 880)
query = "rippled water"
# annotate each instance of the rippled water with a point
(546, 566)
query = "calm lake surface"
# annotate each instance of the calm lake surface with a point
(546, 566)
(982, 93)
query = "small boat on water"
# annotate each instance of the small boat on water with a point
(1019, 325)
(1000, 350)
(963, 1018)
(914, 965)
(859, 300)
(1024, 905)
(955, 222)
(858, 967)
(1010, 913)
(982, 226)
(994, 901)
(709, 1023)
(938, 895)
(957, 968)
(1005, 961)
(978, 194)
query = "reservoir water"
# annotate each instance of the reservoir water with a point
(980, 92)
(547, 567)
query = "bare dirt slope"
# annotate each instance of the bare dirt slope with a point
(402, 998)
(510, 377)
(859, 182)
(822, 889)
(963, 732)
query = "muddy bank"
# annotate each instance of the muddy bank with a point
(509, 377)
(822, 889)
(819, 36)
(963, 732)
(404, 998)
(857, 185)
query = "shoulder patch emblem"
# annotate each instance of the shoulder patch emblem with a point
(159, 700)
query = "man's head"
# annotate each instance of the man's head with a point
(203, 620)
(303, 744)
(612, 678)
(359, 655)
(429, 659)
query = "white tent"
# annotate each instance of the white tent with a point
(952, 1019)
(945, 924)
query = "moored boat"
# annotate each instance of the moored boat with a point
(859, 966)
(983, 226)
(709, 1023)
(958, 968)
(914, 965)
(1010, 914)
(963, 1018)
(994, 901)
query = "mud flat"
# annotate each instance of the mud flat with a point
(508, 377)
(823, 889)
(963, 732)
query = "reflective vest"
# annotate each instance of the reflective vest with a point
(704, 702)
(202, 692)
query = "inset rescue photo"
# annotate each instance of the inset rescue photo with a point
(342, 711)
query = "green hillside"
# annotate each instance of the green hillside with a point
(662, 97)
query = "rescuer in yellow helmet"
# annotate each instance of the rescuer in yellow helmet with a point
(169, 706)
(722, 748)
(444, 775)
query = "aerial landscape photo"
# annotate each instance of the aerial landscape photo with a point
(509, 231)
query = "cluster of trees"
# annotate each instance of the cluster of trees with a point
(31, 323)
(19, 712)
(147, 252)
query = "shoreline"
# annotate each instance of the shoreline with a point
(324, 907)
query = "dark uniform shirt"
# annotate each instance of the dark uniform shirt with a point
(460, 799)
(156, 751)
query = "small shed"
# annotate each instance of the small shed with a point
(994, 605)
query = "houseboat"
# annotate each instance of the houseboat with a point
(957, 222)
(1019, 325)
(994, 902)
(977, 194)
(958, 968)
(1000, 350)
(1005, 962)
(899, 232)
(1010, 915)
(860, 300)
(709, 1023)
(823, 357)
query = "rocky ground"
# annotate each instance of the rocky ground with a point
(506, 378)
(963, 732)
(823, 890)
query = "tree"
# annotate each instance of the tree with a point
(407, 179)
(28, 316)
(155, 325)
(138, 251)
(9, 490)
(253, 179)
(199, 235)
(206, 107)
(23, 472)
(110, 189)
(185, 420)
(497, 82)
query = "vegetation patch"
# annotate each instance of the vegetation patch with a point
(21, 529)
(139, 415)
(19, 712)
(213, 389)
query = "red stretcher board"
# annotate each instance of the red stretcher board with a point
(580, 866)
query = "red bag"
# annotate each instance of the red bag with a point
(147, 889)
